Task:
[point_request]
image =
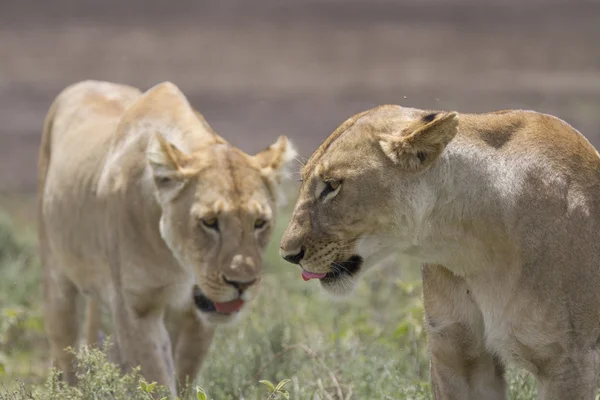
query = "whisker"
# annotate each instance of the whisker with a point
(300, 160)
(340, 266)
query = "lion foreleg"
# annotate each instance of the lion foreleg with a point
(463, 377)
(573, 376)
(461, 367)
(143, 341)
(193, 341)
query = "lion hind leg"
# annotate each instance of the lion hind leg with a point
(92, 323)
(61, 321)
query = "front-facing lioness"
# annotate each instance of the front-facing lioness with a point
(504, 211)
(139, 203)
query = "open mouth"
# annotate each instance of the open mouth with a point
(206, 305)
(343, 269)
(339, 269)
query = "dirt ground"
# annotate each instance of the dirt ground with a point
(261, 68)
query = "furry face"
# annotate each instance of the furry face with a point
(218, 210)
(349, 198)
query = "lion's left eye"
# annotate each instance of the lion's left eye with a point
(211, 223)
(330, 187)
(260, 223)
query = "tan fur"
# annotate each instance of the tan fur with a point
(127, 184)
(502, 209)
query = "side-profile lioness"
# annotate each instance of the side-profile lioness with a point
(143, 208)
(503, 210)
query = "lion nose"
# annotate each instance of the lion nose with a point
(241, 286)
(294, 257)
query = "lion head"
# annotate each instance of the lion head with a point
(358, 187)
(218, 208)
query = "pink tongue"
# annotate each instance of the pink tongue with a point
(230, 306)
(311, 275)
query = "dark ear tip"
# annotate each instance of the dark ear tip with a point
(429, 117)
(445, 116)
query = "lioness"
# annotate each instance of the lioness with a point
(139, 201)
(502, 209)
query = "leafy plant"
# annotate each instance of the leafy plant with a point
(370, 346)
(275, 391)
(200, 394)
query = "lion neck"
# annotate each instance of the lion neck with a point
(142, 216)
(455, 213)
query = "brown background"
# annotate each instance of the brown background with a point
(261, 68)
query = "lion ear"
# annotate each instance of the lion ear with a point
(275, 163)
(276, 159)
(422, 141)
(167, 163)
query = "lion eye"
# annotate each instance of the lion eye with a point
(330, 186)
(211, 223)
(260, 223)
(162, 180)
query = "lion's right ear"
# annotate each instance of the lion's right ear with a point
(422, 141)
(276, 159)
(275, 162)
(167, 163)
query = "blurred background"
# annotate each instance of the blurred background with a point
(263, 68)
(258, 69)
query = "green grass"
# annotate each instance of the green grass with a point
(371, 345)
